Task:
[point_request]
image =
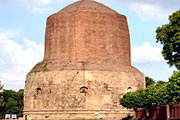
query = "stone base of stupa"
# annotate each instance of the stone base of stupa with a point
(78, 114)
(79, 94)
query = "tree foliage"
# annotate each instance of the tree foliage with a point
(154, 95)
(1, 86)
(1, 98)
(11, 106)
(149, 81)
(161, 82)
(169, 36)
(174, 87)
(13, 102)
(157, 95)
(135, 100)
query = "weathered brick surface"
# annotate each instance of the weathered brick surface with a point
(90, 36)
(60, 91)
(86, 67)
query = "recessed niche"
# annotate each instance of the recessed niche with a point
(38, 90)
(83, 89)
(129, 89)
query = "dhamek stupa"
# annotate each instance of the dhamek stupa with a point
(86, 67)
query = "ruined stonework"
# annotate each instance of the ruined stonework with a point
(86, 67)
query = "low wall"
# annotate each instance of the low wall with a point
(160, 112)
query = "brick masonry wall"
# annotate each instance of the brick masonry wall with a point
(86, 67)
(60, 90)
(88, 36)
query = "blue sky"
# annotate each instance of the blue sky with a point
(22, 31)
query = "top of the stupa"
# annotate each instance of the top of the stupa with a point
(88, 5)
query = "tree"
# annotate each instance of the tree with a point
(128, 100)
(149, 81)
(174, 87)
(161, 82)
(169, 36)
(19, 96)
(1, 87)
(157, 95)
(13, 102)
(1, 102)
(1, 98)
(135, 100)
(8, 94)
(154, 95)
(11, 106)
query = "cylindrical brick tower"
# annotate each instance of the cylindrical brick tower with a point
(86, 67)
(90, 32)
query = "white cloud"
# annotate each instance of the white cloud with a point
(30, 2)
(60, 1)
(156, 10)
(45, 2)
(146, 54)
(22, 54)
(145, 9)
(6, 33)
(149, 11)
(2, 61)
(36, 6)
(21, 58)
(40, 10)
